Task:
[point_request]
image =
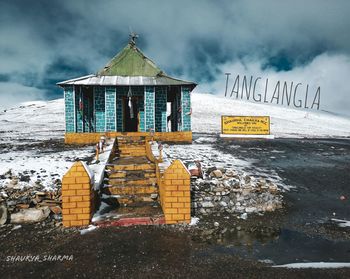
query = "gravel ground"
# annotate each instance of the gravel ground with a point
(133, 252)
(221, 245)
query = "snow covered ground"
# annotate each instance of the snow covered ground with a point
(32, 151)
(40, 120)
(31, 134)
(32, 122)
(285, 122)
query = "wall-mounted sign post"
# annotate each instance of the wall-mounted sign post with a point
(246, 127)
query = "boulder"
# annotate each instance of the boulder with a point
(30, 215)
(3, 215)
(216, 173)
(230, 173)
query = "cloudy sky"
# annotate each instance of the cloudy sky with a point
(42, 42)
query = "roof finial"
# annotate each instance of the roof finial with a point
(133, 36)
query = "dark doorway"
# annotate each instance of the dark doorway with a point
(131, 114)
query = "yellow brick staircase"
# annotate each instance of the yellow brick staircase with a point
(131, 177)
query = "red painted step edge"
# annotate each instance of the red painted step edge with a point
(125, 222)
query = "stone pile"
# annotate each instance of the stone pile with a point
(29, 204)
(226, 190)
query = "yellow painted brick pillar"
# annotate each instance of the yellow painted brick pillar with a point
(77, 196)
(176, 194)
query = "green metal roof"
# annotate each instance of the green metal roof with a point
(130, 62)
(129, 67)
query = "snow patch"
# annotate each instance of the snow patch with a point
(342, 223)
(90, 228)
(194, 221)
(314, 265)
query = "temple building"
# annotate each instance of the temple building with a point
(130, 95)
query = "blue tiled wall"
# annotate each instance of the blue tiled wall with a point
(108, 115)
(110, 109)
(186, 108)
(99, 104)
(69, 108)
(149, 107)
(161, 105)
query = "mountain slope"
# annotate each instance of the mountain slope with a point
(285, 122)
(33, 121)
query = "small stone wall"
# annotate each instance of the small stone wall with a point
(175, 194)
(77, 196)
(93, 138)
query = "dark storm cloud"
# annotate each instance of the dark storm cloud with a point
(46, 41)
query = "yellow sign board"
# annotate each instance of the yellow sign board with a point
(245, 125)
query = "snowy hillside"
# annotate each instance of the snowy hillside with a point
(32, 151)
(33, 121)
(31, 134)
(285, 122)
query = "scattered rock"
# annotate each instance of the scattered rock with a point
(211, 169)
(226, 190)
(56, 209)
(207, 204)
(223, 204)
(244, 216)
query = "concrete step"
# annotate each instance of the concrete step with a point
(130, 141)
(131, 160)
(131, 138)
(131, 167)
(124, 149)
(131, 146)
(134, 200)
(132, 154)
(130, 182)
(130, 190)
(134, 174)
